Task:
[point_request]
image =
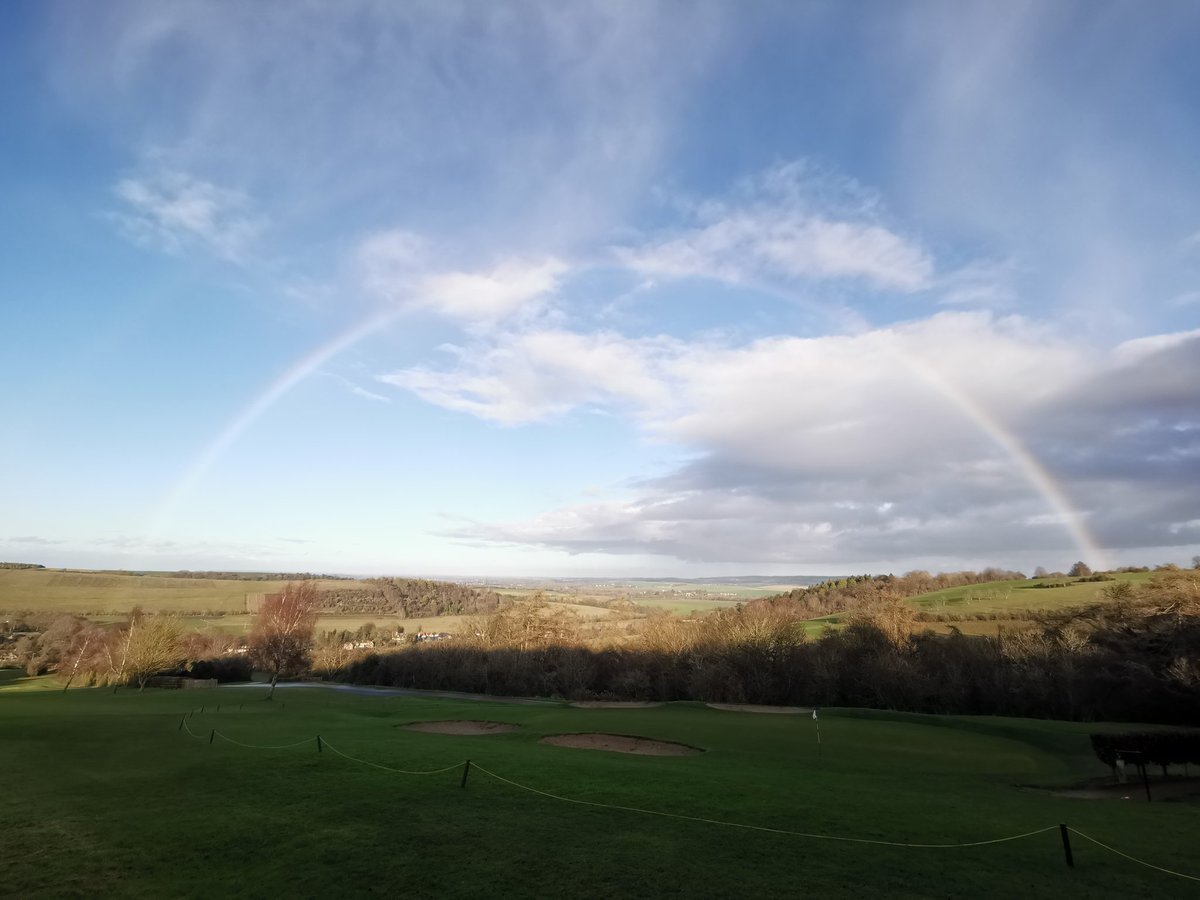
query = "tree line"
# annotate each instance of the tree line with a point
(861, 591)
(410, 598)
(132, 651)
(1134, 657)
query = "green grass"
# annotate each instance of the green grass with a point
(104, 796)
(1023, 594)
(65, 591)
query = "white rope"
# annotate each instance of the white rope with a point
(329, 746)
(265, 746)
(822, 837)
(1131, 858)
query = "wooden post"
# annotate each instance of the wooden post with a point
(1066, 839)
(319, 743)
(211, 735)
(466, 772)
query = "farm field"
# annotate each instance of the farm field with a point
(59, 590)
(1010, 595)
(105, 795)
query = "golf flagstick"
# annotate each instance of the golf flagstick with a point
(818, 721)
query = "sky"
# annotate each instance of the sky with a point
(599, 289)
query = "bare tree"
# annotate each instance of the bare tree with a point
(84, 640)
(150, 645)
(1080, 570)
(283, 631)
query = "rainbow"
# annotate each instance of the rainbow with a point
(250, 413)
(1030, 465)
(1032, 468)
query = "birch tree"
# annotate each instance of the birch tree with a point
(283, 631)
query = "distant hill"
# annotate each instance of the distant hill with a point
(38, 590)
(408, 597)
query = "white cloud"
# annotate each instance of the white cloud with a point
(511, 286)
(399, 267)
(537, 375)
(792, 442)
(174, 211)
(1138, 349)
(787, 225)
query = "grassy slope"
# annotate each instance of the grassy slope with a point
(57, 590)
(1007, 595)
(104, 796)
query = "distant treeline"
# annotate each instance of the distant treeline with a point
(859, 591)
(1133, 658)
(247, 576)
(12, 565)
(409, 597)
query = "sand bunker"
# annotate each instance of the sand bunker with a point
(1181, 789)
(614, 704)
(461, 726)
(750, 707)
(621, 743)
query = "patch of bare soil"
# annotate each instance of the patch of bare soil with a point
(614, 704)
(461, 726)
(752, 708)
(621, 743)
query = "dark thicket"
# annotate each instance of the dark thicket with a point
(1155, 748)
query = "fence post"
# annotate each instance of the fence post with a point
(211, 735)
(466, 772)
(1066, 839)
(318, 743)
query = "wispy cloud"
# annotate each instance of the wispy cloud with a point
(789, 224)
(525, 377)
(174, 211)
(399, 268)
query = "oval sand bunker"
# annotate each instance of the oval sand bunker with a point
(461, 726)
(621, 743)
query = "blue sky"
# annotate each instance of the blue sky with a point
(599, 289)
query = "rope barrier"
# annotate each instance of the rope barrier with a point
(329, 746)
(1141, 862)
(706, 821)
(804, 834)
(225, 737)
